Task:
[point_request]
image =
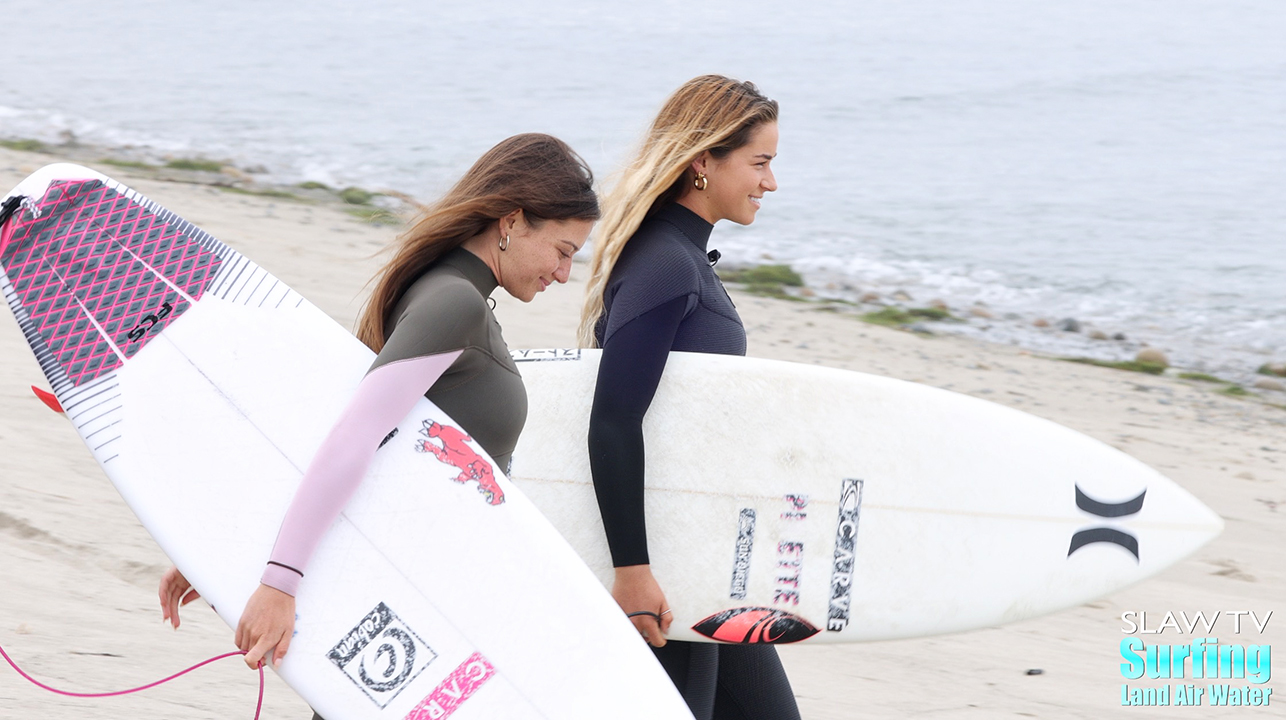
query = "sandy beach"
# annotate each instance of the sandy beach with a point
(78, 573)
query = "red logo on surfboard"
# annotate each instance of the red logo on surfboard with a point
(751, 625)
(455, 451)
(451, 693)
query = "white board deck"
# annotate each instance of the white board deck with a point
(794, 503)
(203, 386)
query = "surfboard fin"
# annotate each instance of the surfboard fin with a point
(48, 399)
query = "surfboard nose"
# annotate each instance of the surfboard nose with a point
(1162, 508)
(1116, 543)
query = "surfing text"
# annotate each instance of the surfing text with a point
(1201, 658)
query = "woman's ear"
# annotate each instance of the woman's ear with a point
(511, 220)
(701, 163)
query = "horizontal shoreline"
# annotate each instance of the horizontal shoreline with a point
(378, 206)
(897, 309)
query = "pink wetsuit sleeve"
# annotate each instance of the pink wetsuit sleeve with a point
(382, 400)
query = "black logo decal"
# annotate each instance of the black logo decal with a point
(850, 510)
(741, 559)
(148, 322)
(1104, 534)
(535, 355)
(392, 434)
(381, 655)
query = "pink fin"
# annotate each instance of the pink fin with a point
(47, 398)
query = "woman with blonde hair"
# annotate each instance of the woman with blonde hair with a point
(514, 221)
(707, 157)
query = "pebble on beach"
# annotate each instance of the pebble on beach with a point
(939, 304)
(1069, 325)
(1269, 384)
(1041, 323)
(1097, 335)
(902, 296)
(870, 298)
(1153, 356)
(981, 312)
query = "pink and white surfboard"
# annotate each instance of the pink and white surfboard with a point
(203, 386)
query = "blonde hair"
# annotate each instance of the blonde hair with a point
(536, 173)
(707, 113)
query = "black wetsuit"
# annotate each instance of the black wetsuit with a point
(663, 295)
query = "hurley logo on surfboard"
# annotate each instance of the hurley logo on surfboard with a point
(1106, 534)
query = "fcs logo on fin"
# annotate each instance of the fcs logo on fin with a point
(751, 625)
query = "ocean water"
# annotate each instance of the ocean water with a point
(1121, 162)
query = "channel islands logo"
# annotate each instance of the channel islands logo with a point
(381, 655)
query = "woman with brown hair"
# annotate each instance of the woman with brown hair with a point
(707, 157)
(514, 221)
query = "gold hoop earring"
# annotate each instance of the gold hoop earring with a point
(700, 182)
(504, 243)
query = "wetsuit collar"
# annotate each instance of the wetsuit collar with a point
(692, 225)
(473, 269)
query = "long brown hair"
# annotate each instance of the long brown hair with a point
(536, 173)
(710, 112)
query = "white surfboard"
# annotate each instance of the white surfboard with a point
(794, 503)
(203, 386)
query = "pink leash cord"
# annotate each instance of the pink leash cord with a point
(37, 683)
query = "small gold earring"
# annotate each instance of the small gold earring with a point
(700, 182)
(504, 243)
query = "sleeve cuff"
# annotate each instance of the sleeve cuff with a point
(281, 578)
(636, 557)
